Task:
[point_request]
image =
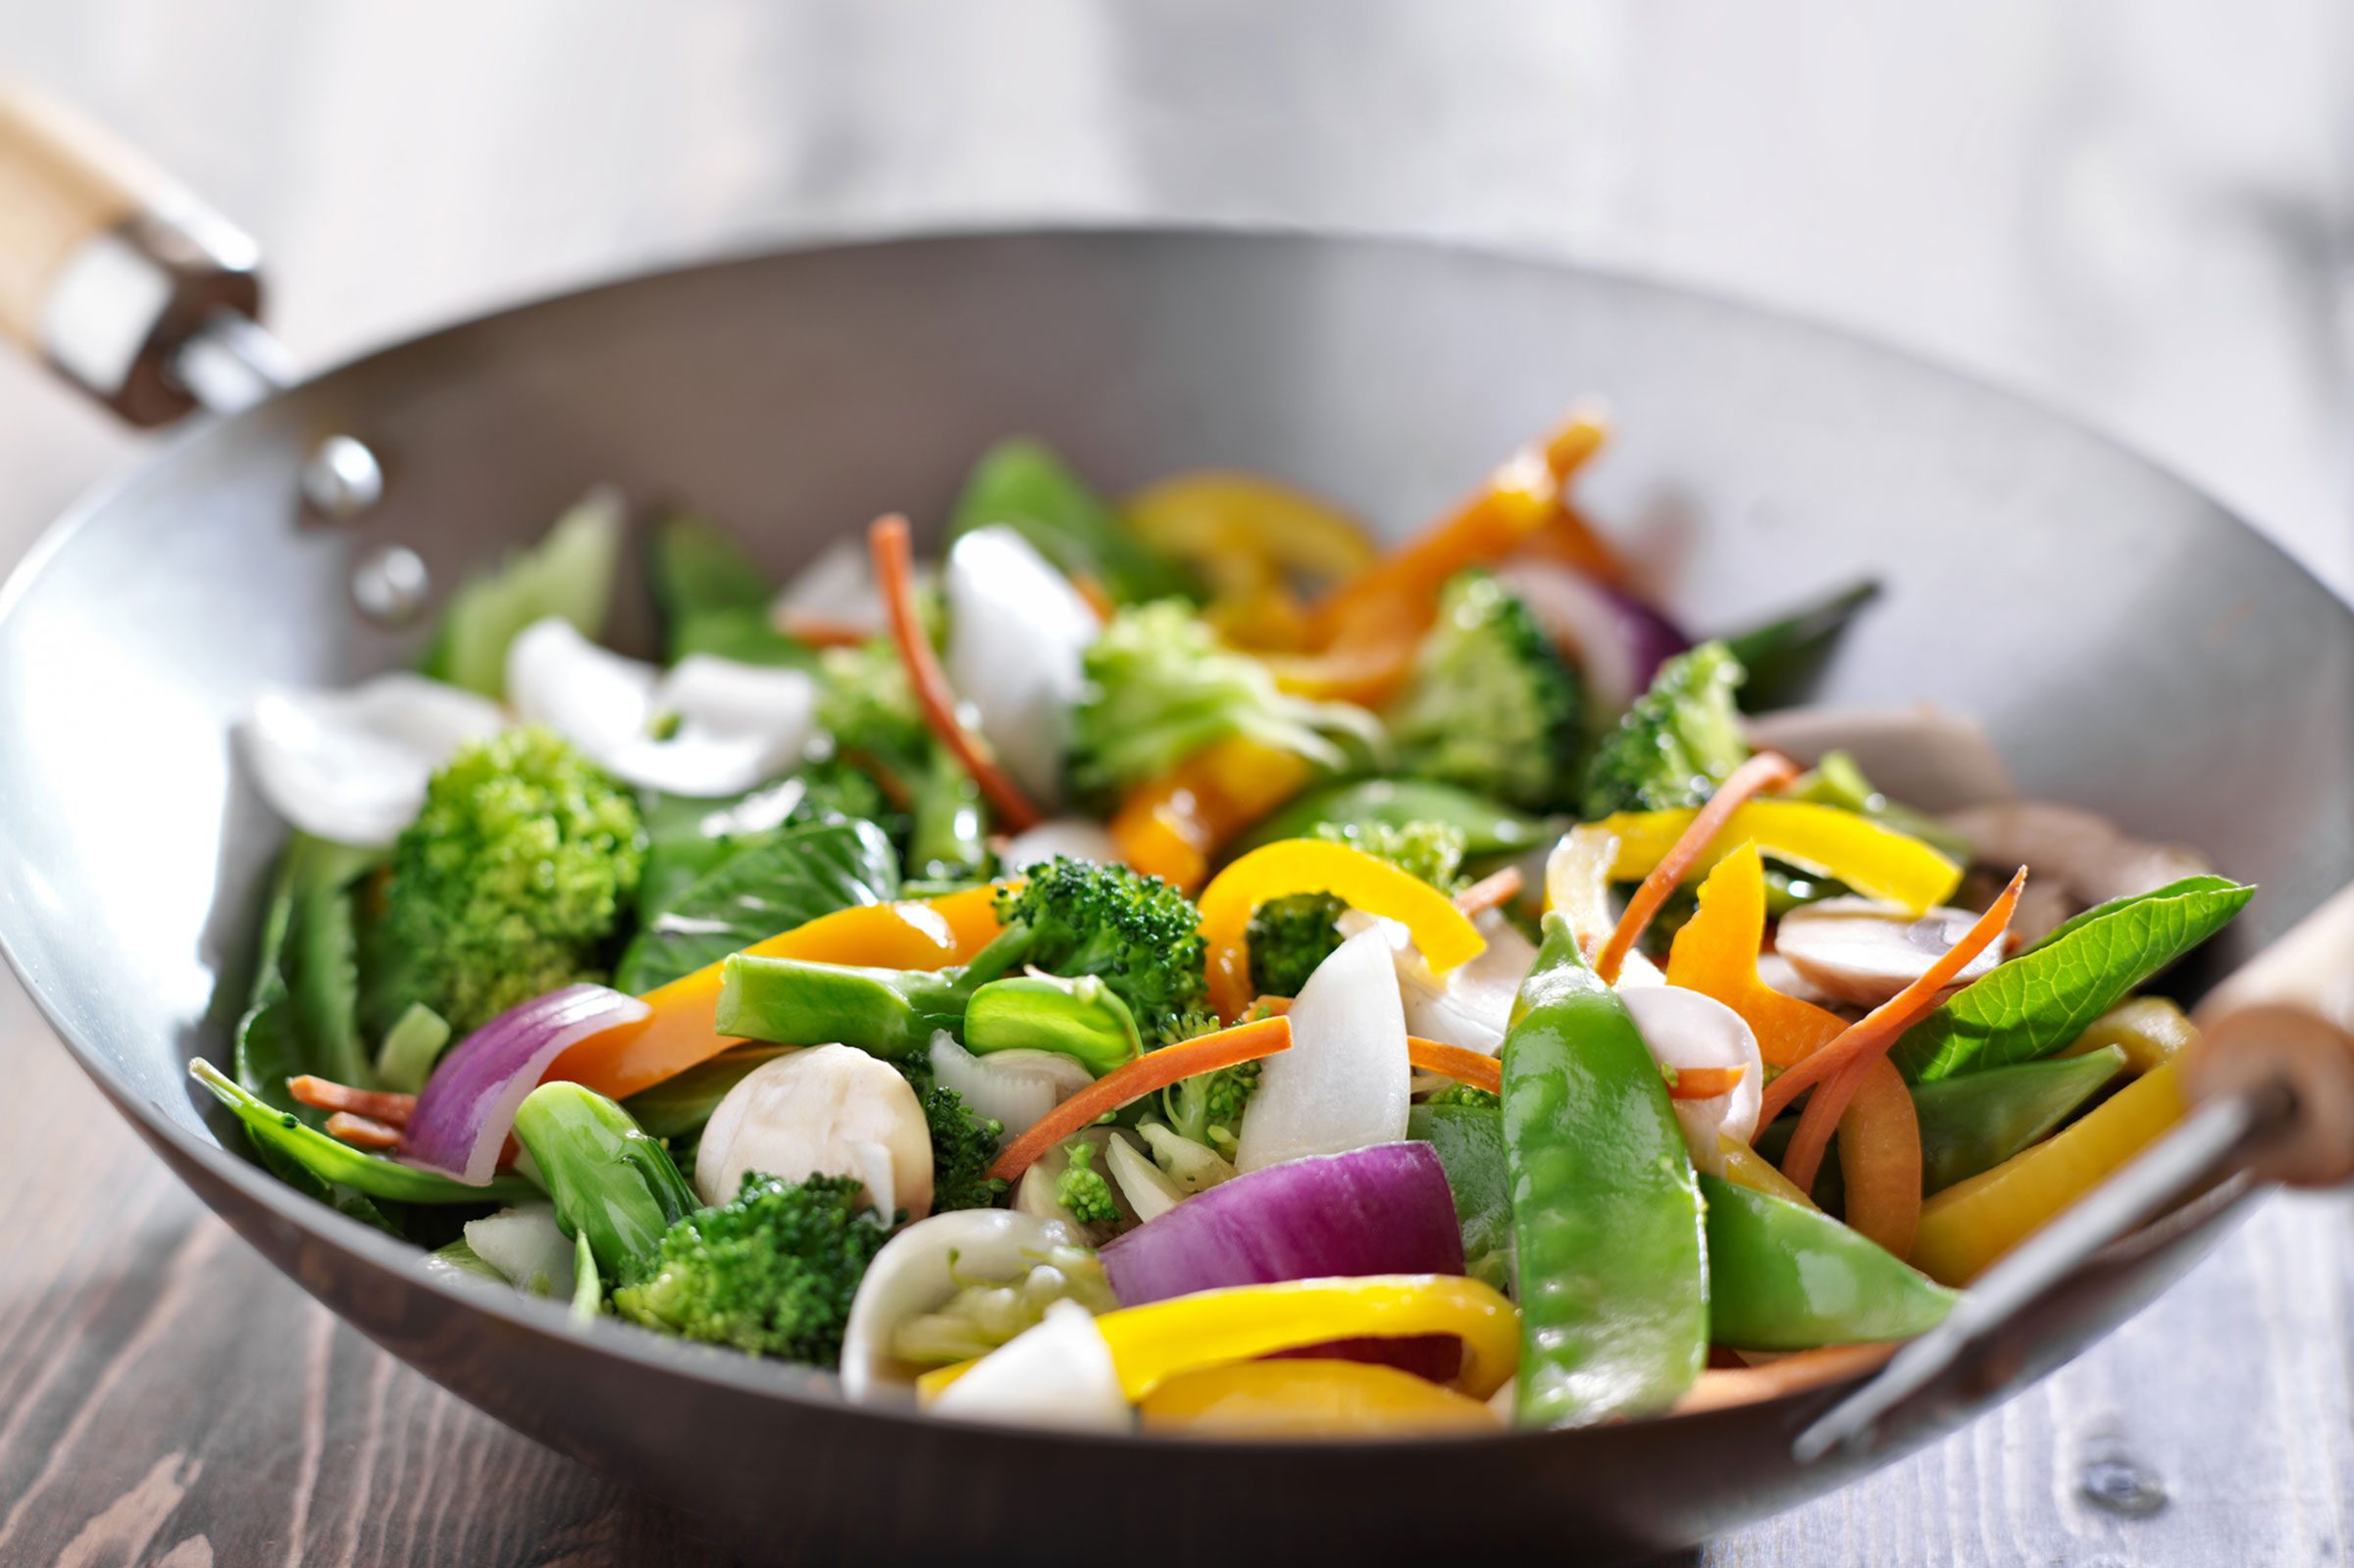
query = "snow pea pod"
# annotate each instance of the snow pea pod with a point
(1606, 1224)
(1469, 1142)
(1784, 1277)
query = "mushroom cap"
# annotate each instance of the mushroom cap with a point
(1862, 951)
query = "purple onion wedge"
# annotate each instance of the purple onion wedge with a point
(468, 1107)
(1617, 640)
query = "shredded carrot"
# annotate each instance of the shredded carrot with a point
(1493, 890)
(1705, 1082)
(1720, 1388)
(1871, 1035)
(1879, 1156)
(894, 573)
(1454, 1061)
(1088, 588)
(326, 1095)
(1764, 771)
(362, 1132)
(819, 632)
(1147, 1074)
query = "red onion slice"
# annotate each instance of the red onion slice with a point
(1617, 640)
(468, 1108)
(1386, 1209)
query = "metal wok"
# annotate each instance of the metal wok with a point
(2128, 643)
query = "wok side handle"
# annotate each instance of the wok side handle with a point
(2285, 1020)
(119, 278)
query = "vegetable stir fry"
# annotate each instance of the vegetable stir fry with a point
(1176, 965)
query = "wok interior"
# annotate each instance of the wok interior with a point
(2127, 645)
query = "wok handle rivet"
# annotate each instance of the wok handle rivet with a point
(390, 584)
(342, 477)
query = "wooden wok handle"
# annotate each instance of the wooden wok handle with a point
(107, 267)
(2288, 1019)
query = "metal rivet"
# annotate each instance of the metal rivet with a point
(390, 584)
(2121, 1486)
(342, 477)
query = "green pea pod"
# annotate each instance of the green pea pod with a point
(340, 1164)
(1607, 1222)
(1488, 828)
(1082, 1019)
(614, 1188)
(1785, 1276)
(1469, 1142)
(889, 1012)
(1976, 1121)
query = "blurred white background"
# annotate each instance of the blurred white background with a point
(2137, 209)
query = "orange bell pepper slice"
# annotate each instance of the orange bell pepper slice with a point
(1879, 1158)
(1716, 954)
(1445, 934)
(683, 1029)
(1171, 826)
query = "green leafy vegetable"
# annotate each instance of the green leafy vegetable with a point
(680, 1105)
(687, 838)
(715, 598)
(1022, 484)
(770, 885)
(569, 573)
(2048, 995)
(1468, 1137)
(1784, 655)
(411, 1048)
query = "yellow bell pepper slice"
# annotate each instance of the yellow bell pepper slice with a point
(1967, 1227)
(1716, 954)
(1246, 531)
(1445, 936)
(2152, 1030)
(1746, 1167)
(1876, 861)
(1163, 1340)
(1171, 826)
(683, 1029)
(1276, 1400)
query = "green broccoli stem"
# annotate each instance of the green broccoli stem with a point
(614, 1188)
(892, 1013)
(1082, 1019)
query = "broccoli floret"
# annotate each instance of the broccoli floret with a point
(772, 1272)
(512, 879)
(1207, 1107)
(1288, 936)
(1160, 687)
(965, 1145)
(864, 701)
(1490, 705)
(1677, 744)
(1142, 937)
(1084, 1191)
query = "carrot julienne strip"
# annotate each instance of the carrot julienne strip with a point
(1495, 890)
(362, 1132)
(1704, 1082)
(819, 632)
(1147, 1074)
(894, 573)
(322, 1093)
(1872, 1036)
(1764, 771)
(1721, 1387)
(1454, 1061)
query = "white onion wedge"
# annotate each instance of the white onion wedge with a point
(1686, 1030)
(1344, 1083)
(924, 1266)
(1058, 1373)
(1470, 1005)
(527, 1246)
(1141, 1182)
(736, 724)
(1017, 630)
(352, 766)
(1074, 837)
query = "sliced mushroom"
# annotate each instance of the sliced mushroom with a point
(1686, 1030)
(1863, 952)
(2082, 850)
(1928, 758)
(829, 1110)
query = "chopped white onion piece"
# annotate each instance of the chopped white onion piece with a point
(1017, 630)
(1016, 1087)
(1074, 837)
(1343, 1083)
(736, 724)
(1058, 1373)
(352, 766)
(1684, 1030)
(528, 1247)
(1141, 1182)
(921, 1269)
(1470, 1005)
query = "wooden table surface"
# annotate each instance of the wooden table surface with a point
(2141, 215)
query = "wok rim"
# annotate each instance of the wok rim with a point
(808, 1388)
